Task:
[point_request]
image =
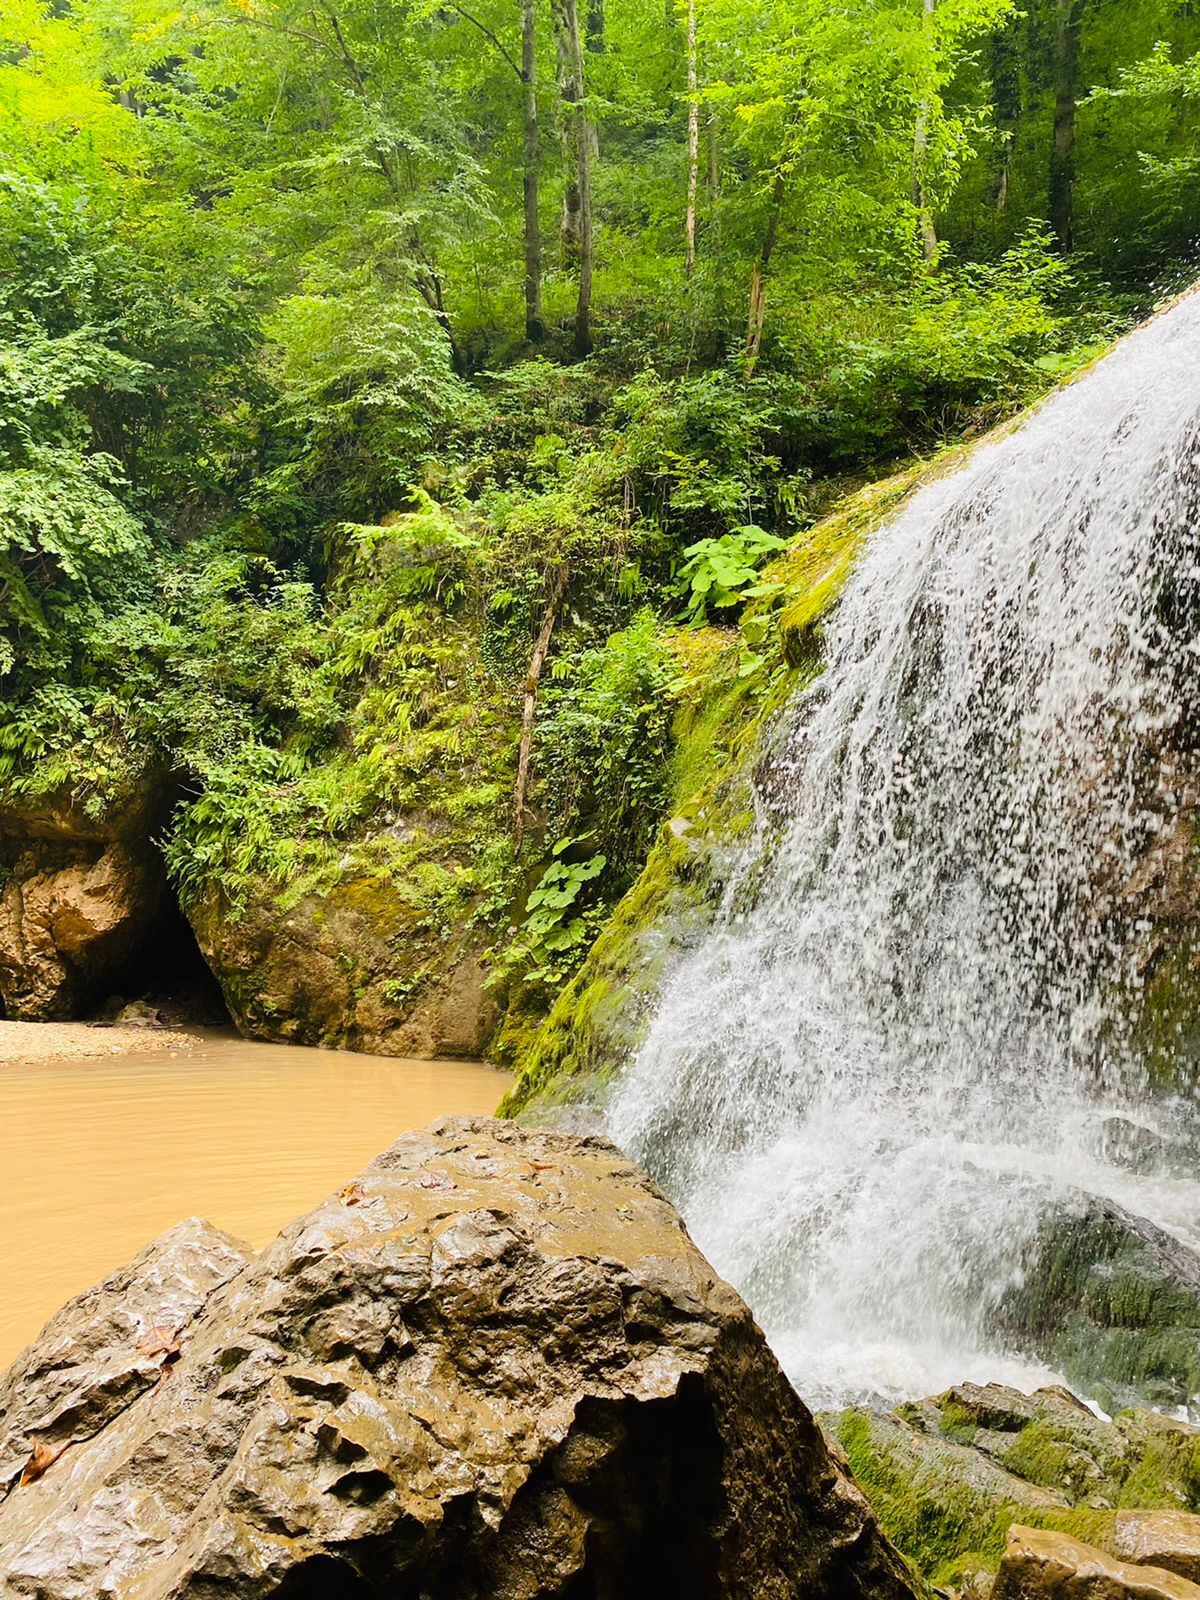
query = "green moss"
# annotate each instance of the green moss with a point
(947, 1501)
(957, 1423)
(1168, 1030)
(1046, 1454)
(931, 1516)
(730, 689)
(1165, 1473)
(1105, 1301)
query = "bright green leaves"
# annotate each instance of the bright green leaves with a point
(365, 386)
(559, 923)
(718, 573)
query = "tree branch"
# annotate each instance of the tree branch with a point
(529, 702)
(487, 33)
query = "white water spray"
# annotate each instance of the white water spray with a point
(864, 1085)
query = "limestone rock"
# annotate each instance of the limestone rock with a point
(96, 1355)
(1169, 1539)
(493, 1368)
(78, 894)
(1039, 1565)
(347, 969)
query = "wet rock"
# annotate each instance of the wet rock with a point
(992, 1406)
(949, 1475)
(493, 1366)
(1112, 1302)
(108, 1345)
(77, 895)
(1039, 1565)
(1169, 1539)
(348, 969)
(139, 1014)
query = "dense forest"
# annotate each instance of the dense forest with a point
(401, 402)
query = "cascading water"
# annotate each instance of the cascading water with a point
(906, 1031)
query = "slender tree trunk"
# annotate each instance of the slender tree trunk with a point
(925, 223)
(1005, 64)
(1066, 90)
(578, 145)
(595, 27)
(535, 328)
(693, 179)
(529, 702)
(429, 286)
(757, 317)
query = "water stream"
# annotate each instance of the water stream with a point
(100, 1155)
(907, 1030)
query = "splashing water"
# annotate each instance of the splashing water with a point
(906, 1029)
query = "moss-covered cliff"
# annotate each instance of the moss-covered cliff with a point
(731, 698)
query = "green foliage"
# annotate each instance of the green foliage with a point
(605, 739)
(719, 573)
(559, 922)
(285, 492)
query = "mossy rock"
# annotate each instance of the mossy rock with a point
(356, 968)
(948, 1476)
(1111, 1301)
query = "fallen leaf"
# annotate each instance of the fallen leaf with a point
(544, 1166)
(436, 1180)
(352, 1194)
(45, 1454)
(159, 1341)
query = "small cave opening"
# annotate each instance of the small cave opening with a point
(163, 978)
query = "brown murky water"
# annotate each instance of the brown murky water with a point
(97, 1156)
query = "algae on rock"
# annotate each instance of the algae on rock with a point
(948, 1476)
(733, 689)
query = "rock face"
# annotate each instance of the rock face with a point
(493, 1368)
(1111, 1301)
(77, 895)
(1050, 1566)
(1169, 1539)
(949, 1476)
(107, 1346)
(324, 972)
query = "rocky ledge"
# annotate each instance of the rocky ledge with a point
(493, 1366)
(1062, 1501)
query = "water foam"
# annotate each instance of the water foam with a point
(908, 1031)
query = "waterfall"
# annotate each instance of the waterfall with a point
(909, 1024)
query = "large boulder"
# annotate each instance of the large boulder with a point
(107, 1346)
(78, 893)
(1169, 1539)
(493, 1366)
(1111, 1301)
(353, 967)
(1051, 1566)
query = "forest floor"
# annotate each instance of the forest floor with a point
(24, 1043)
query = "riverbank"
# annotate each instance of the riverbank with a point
(25, 1043)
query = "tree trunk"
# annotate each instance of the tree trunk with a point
(529, 703)
(693, 178)
(925, 223)
(578, 144)
(535, 328)
(595, 27)
(1005, 65)
(429, 286)
(757, 317)
(1062, 155)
